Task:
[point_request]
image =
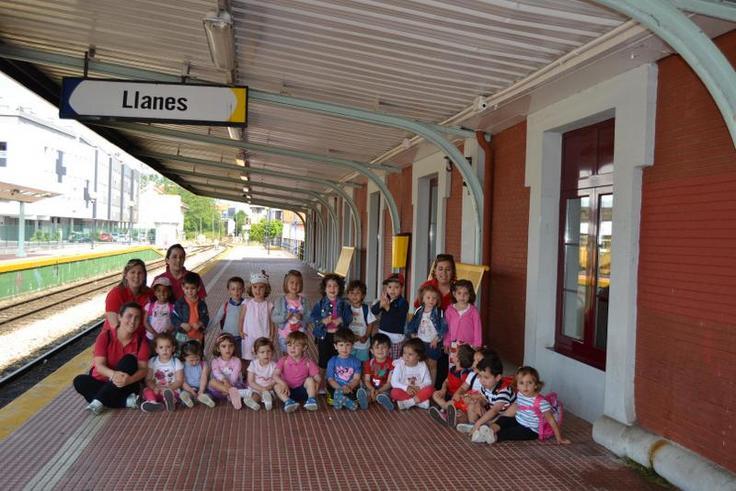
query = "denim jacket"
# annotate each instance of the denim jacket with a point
(323, 309)
(438, 319)
(180, 314)
(280, 311)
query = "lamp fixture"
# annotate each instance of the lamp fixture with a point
(448, 164)
(244, 177)
(235, 133)
(218, 27)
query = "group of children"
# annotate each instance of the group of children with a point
(366, 354)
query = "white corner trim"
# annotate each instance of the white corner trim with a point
(631, 99)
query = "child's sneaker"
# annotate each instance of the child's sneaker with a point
(338, 399)
(362, 396)
(311, 404)
(169, 400)
(330, 400)
(483, 435)
(235, 399)
(438, 415)
(132, 401)
(406, 404)
(291, 405)
(251, 403)
(385, 401)
(350, 404)
(95, 407)
(451, 415)
(151, 407)
(423, 404)
(267, 400)
(186, 398)
(206, 400)
(464, 427)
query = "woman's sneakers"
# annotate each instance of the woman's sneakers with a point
(132, 401)
(362, 396)
(251, 403)
(95, 407)
(235, 398)
(483, 435)
(169, 400)
(385, 401)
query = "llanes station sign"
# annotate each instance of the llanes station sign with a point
(120, 100)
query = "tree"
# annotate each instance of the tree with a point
(266, 228)
(239, 222)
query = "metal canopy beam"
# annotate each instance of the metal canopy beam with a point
(334, 185)
(703, 56)
(717, 9)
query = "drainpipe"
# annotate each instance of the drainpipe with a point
(487, 243)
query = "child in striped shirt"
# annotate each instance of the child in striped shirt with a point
(524, 424)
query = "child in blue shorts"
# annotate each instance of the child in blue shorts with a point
(343, 372)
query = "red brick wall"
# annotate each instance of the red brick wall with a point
(504, 324)
(360, 196)
(399, 185)
(454, 215)
(686, 334)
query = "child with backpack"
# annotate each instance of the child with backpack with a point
(190, 316)
(462, 359)
(535, 416)
(363, 319)
(228, 314)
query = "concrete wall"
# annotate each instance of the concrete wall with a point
(686, 336)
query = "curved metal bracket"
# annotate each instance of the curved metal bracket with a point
(703, 56)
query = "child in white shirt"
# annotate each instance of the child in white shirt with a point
(410, 379)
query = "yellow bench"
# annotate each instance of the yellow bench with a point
(343, 261)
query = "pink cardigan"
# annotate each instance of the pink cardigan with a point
(465, 328)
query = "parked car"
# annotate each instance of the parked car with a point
(79, 237)
(105, 237)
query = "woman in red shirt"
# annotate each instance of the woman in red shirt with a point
(132, 288)
(175, 272)
(120, 363)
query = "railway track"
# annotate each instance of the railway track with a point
(79, 340)
(44, 301)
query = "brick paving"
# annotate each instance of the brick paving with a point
(62, 447)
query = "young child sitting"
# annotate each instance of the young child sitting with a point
(497, 395)
(291, 310)
(158, 313)
(228, 314)
(376, 373)
(522, 421)
(362, 320)
(428, 324)
(392, 310)
(461, 365)
(227, 379)
(411, 384)
(196, 375)
(165, 376)
(190, 316)
(297, 377)
(343, 373)
(468, 393)
(260, 376)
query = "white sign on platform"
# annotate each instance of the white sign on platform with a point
(116, 100)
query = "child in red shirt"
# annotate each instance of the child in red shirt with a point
(461, 365)
(376, 373)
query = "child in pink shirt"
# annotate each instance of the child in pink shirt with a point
(227, 379)
(463, 318)
(297, 377)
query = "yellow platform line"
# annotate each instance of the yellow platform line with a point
(24, 407)
(13, 415)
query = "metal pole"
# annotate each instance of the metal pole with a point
(21, 229)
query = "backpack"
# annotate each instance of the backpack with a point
(545, 430)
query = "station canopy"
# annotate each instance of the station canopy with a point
(471, 64)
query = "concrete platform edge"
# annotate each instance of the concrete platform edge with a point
(680, 466)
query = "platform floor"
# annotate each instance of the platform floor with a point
(63, 447)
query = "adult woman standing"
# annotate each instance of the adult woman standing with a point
(132, 288)
(120, 362)
(175, 272)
